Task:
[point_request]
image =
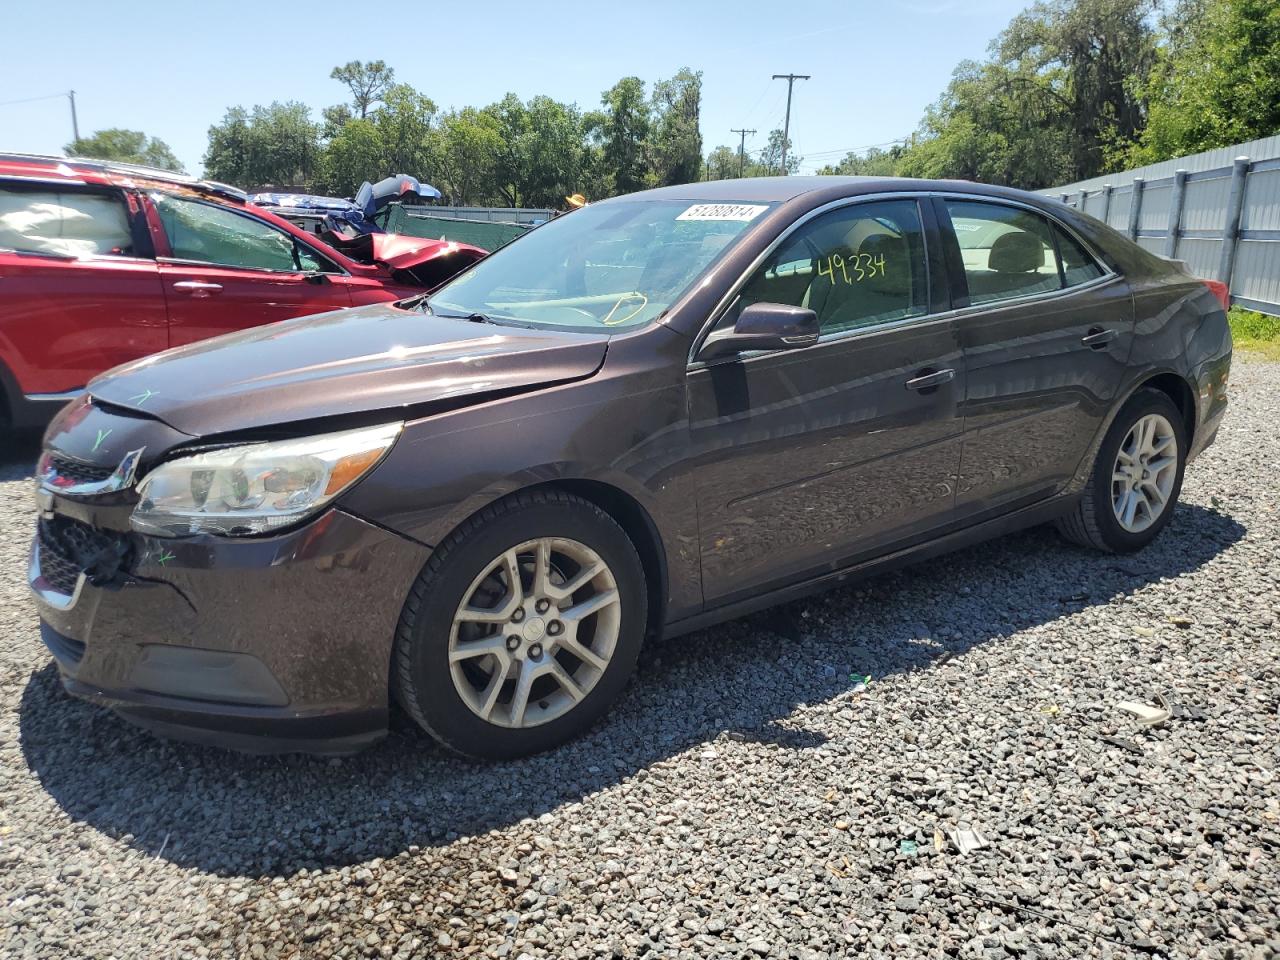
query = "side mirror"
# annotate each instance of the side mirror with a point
(764, 326)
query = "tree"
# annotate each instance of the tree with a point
(722, 163)
(677, 137)
(464, 147)
(333, 119)
(126, 146)
(1086, 55)
(1217, 79)
(351, 158)
(1058, 98)
(770, 162)
(624, 135)
(874, 163)
(397, 138)
(368, 82)
(404, 124)
(277, 146)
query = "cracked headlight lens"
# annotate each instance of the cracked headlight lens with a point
(257, 488)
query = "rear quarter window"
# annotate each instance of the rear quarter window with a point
(75, 223)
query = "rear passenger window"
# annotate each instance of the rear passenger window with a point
(855, 267)
(1007, 252)
(74, 223)
(1077, 265)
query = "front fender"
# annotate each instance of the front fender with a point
(447, 467)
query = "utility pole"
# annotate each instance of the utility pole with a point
(75, 125)
(742, 145)
(791, 79)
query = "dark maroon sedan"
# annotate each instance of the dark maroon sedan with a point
(655, 413)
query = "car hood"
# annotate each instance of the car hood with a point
(381, 357)
(400, 252)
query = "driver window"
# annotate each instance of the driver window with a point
(855, 267)
(208, 233)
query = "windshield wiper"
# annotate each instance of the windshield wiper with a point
(471, 317)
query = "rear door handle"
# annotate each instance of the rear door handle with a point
(930, 379)
(197, 289)
(1098, 337)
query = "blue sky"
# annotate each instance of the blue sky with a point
(172, 68)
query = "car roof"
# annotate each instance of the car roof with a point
(83, 170)
(782, 189)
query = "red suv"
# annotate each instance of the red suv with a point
(103, 263)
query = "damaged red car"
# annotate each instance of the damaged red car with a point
(104, 263)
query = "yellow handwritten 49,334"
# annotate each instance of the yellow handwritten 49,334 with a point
(859, 267)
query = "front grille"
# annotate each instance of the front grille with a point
(69, 547)
(77, 472)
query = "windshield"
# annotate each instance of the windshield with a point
(612, 266)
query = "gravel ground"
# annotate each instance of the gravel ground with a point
(747, 798)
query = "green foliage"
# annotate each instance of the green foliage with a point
(1217, 80)
(1053, 102)
(677, 140)
(722, 163)
(271, 146)
(125, 146)
(369, 83)
(1255, 332)
(624, 135)
(874, 163)
(770, 162)
(510, 153)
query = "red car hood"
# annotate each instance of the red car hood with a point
(400, 252)
(380, 357)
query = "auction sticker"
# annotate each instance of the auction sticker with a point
(741, 212)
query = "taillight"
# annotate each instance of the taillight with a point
(1221, 291)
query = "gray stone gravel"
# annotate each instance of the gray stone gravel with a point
(745, 799)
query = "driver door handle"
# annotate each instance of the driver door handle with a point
(1098, 337)
(196, 288)
(931, 379)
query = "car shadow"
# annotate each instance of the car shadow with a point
(18, 453)
(232, 814)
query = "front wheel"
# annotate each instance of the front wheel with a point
(523, 628)
(1136, 477)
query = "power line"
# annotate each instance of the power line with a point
(742, 144)
(791, 79)
(868, 146)
(47, 96)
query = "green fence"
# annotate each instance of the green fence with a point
(480, 233)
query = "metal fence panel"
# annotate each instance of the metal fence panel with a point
(1261, 201)
(1121, 200)
(1154, 212)
(1202, 256)
(1205, 205)
(1218, 210)
(1095, 204)
(1257, 273)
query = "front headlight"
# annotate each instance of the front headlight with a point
(240, 491)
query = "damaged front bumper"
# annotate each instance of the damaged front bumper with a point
(267, 644)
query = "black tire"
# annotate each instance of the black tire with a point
(1092, 522)
(421, 678)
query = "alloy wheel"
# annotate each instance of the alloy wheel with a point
(1144, 473)
(534, 632)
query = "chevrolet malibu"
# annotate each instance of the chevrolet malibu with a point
(647, 416)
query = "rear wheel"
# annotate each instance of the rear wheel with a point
(523, 628)
(1136, 477)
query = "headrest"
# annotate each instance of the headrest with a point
(1016, 252)
(896, 277)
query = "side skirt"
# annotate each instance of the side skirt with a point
(1018, 520)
